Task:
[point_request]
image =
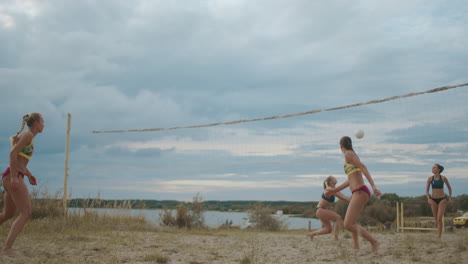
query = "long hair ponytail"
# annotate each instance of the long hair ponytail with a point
(14, 139)
(28, 119)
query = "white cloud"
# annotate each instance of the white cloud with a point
(149, 64)
(31, 8)
(456, 173)
(240, 149)
(226, 175)
(6, 20)
(268, 172)
(321, 177)
(194, 186)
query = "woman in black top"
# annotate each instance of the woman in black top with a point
(438, 199)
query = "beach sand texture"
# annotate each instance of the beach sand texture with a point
(165, 245)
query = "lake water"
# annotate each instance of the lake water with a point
(212, 218)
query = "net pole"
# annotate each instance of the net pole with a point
(65, 181)
(397, 217)
(402, 218)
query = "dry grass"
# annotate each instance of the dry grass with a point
(89, 237)
(251, 255)
(158, 258)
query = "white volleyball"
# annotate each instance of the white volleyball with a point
(359, 134)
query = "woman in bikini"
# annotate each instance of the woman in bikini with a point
(438, 199)
(354, 168)
(16, 191)
(326, 215)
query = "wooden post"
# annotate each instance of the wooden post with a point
(310, 223)
(398, 217)
(65, 182)
(402, 218)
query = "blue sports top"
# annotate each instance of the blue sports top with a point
(331, 199)
(437, 184)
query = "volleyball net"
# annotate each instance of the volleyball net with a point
(404, 135)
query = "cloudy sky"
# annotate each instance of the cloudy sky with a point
(153, 64)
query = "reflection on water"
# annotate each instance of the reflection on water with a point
(212, 218)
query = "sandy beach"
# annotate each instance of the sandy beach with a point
(166, 245)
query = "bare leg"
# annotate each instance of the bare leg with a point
(327, 228)
(336, 227)
(435, 211)
(440, 215)
(358, 200)
(23, 203)
(9, 208)
(325, 216)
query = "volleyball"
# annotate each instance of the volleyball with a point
(359, 134)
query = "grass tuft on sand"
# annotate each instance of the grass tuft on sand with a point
(122, 239)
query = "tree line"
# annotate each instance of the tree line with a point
(377, 210)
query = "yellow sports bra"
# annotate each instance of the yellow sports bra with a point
(27, 151)
(350, 168)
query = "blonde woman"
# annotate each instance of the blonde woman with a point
(438, 199)
(326, 215)
(354, 168)
(16, 191)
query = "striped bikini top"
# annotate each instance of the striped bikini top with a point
(350, 168)
(27, 151)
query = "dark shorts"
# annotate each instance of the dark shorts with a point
(438, 200)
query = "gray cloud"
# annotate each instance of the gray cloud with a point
(147, 64)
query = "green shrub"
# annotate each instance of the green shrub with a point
(379, 211)
(263, 219)
(186, 217)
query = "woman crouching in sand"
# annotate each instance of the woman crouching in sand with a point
(326, 215)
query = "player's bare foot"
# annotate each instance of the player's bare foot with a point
(9, 251)
(375, 247)
(311, 235)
